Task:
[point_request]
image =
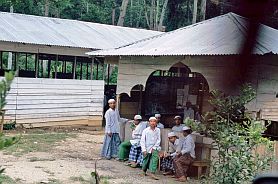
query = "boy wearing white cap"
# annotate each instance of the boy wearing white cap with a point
(112, 129)
(150, 145)
(137, 128)
(167, 162)
(158, 118)
(178, 127)
(185, 155)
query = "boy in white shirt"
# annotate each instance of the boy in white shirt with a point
(150, 145)
(167, 161)
(125, 147)
(112, 139)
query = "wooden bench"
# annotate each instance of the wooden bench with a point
(203, 156)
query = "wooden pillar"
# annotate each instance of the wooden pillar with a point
(108, 73)
(97, 71)
(56, 62)
(1, 59)
(103, 72)
(140, 100)
(74, 68)
(37, 65)
(87, 72)
(92, 68)
(26, 58)
(81, 73)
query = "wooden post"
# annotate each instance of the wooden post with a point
(92, 69)
(36, 65)
(108, 73)
(103, 72)
(140, 100)
(2, 120)
(87, 76)
(56, 62)
(81, 73)
(1, 59)
(26, 58)
(97, 71)
(74, 68)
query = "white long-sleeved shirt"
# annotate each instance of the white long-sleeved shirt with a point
(173, 147)
(160, 125)
(178, 128)
(113, 120)
(150, 140)
(137, 132)
(188, 113)
(187, 145)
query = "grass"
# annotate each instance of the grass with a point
(7, 180)
(36, 142)
(80, 179)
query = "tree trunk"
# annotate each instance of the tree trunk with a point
(122, 13)
(146, 14)
(203, 9)
(194, 18)
(156, 15)
(162, 15)
(46, 8)
(113, 16)
(152, 15)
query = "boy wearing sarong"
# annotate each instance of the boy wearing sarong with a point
(112, 139)
(185, 155)
(135, 154)
(167, 161)
(150, 145)
(131, 149)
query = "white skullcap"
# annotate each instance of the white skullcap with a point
(171, 134)
(111, 101)
(138, 117)
(157, 115)
(177, 117)
(152, 118)
(186, 128)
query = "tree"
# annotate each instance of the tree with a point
(195, 8)
(122, 13)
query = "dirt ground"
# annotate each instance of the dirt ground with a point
(68, 160)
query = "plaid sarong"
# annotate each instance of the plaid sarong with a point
(167, 164)
(135, 152)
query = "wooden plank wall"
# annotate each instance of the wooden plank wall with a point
(35, 102)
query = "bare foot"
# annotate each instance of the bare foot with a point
(153, 176)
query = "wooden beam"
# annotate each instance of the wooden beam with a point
(92, 68)
(74, 67)
(56, 62)
(36, 65)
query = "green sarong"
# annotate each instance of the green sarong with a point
(124, 150)
(150, 161)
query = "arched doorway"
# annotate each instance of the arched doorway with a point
(131, 105)
(167, 92)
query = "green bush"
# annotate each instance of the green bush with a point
(237, 138)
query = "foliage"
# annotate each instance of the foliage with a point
(194, 125)
(238, 139)
(178, 13)
(5, 86)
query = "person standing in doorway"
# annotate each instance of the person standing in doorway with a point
(112, 139)
(188, 111)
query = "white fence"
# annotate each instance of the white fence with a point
(35, 102)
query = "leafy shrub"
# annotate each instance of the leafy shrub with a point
(237, 138)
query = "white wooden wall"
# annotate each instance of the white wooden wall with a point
(37, 102)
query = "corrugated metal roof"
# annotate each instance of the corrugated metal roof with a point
(222, 35)
(32, 29)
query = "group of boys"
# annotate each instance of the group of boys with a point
(144, 148)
